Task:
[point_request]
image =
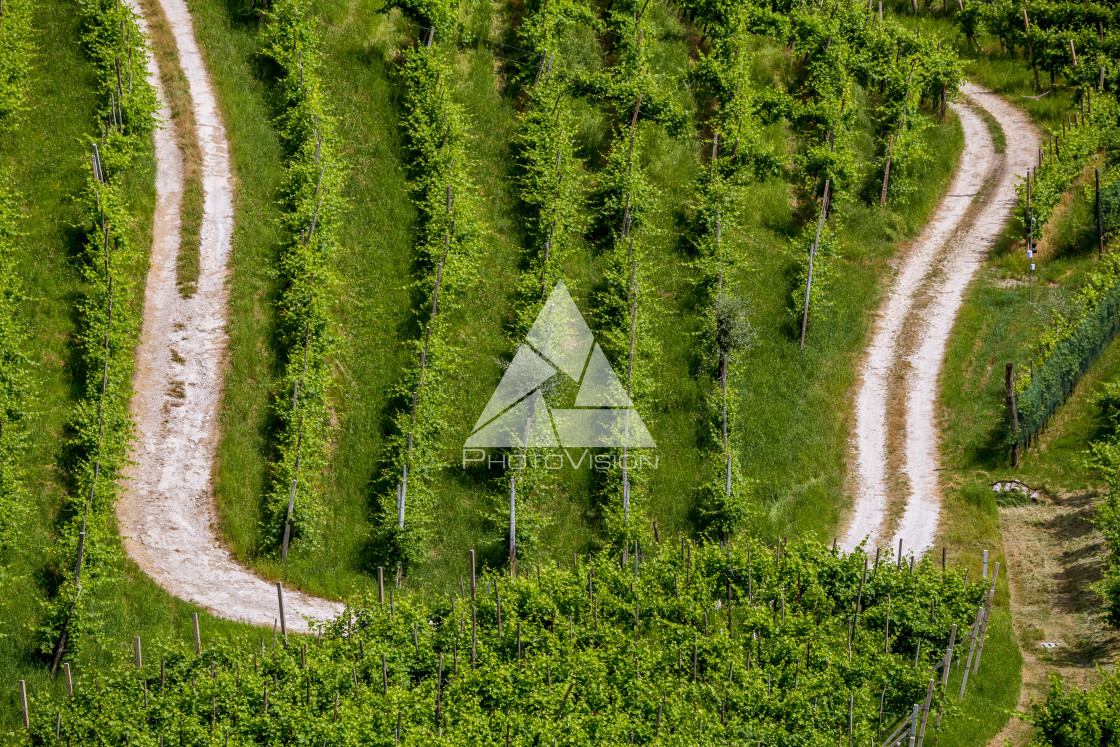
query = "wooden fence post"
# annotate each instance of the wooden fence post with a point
(886, 173)
(925, 714)
(812, 256)
(1100, 218)
(512, 527)
(23, 704)
(471, 553)
(283, 620)
(984, 627)
(972, 647)
(1009, 390)
(948, 656)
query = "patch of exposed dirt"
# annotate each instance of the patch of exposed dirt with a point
(1054, 555)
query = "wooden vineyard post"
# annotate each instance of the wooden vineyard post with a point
(972, 647)
(1030, 49)
(471, 553)
(512, 528)
(984, 627)
(1100, 217)
(948, 656)
(139, 656)
(812, 256)
(69, 680)
(887, 628)
(283, 620)
(882, 701)
(23, 704)
(381, 584)
(1009, 387)
(925, 715)
(1073, 54)
(299, 438)
(197, 637)
(887, 172)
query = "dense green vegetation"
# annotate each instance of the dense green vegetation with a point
(1073, 717)
(688, 645)
(720, 232)
(109, 326)
(17, 45)
(311, 196)
(16, 48)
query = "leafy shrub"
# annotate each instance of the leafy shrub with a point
(680, 645)
(312, 204)
(1073, 718)
(17, 47)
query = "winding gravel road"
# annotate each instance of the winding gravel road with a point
(167, 514)
(895, 443)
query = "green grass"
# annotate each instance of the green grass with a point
(228, 41)
(970, 525)
(796, 404)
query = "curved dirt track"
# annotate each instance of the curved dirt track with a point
(167, 514)
(895, 439)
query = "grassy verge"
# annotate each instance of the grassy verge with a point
(227, 36)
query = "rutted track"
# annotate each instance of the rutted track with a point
(168, 515)
(900, 372)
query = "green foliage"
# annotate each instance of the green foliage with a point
(1067, 347)
(312, 205)
(1091, 26)
(803, 246)
(442, 189)
(17, 46)
(686, 645)
(1078, 718)
(835, 51)
(15, 381)
(1058, 171)
(438, 17)
(550, 192)
(100, 429)
(1103, 457)
(1110, 208)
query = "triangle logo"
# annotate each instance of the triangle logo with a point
(559, 342)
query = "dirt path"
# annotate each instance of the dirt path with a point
(167, 515)
(1054, 555)
(899, 376)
